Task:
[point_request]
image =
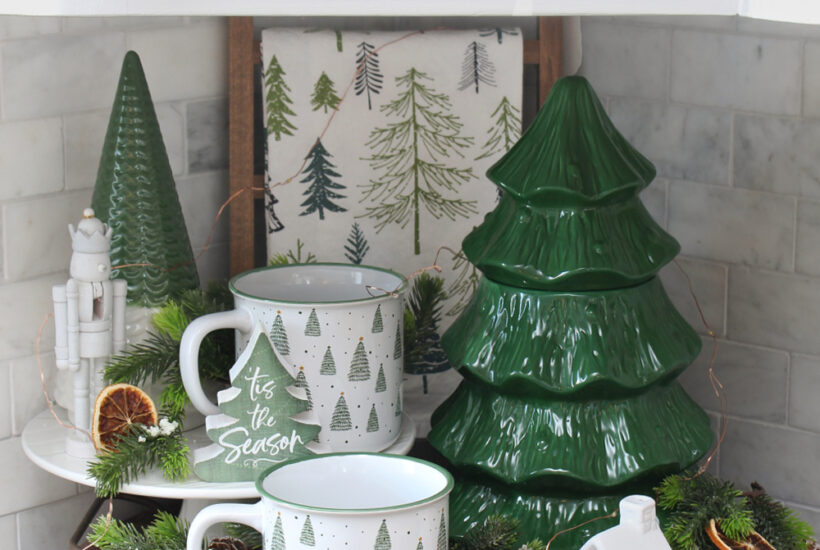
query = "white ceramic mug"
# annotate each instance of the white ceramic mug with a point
(340, 325)
(343, 501)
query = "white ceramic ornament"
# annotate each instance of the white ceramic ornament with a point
(638, 528)
(340, 501)
(89, 321)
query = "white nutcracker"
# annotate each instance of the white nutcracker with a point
(89, 321)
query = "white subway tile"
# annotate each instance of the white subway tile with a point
(777, 154)
(654, 199)
(781, 459)
(31, 157)
(207, 135)
(732, 225)
(213, 265)
(27, 392)
(625, 60)
(30, 485)
(17, 26)
(683, 142)
(8, 531)
(743, 72)
(61, 517)
(811, 79)
(94, 24)
(5, 402)
(36, 233)
(27, 304)
(756, 379)
(186, 62)
(807, 257)
(709, 285)
(762, 27)
(804, 405)
(201, 196)
(774, 310)
(709, 22)
(60, 74)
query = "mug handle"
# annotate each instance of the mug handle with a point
(247, 514)
(192, 337)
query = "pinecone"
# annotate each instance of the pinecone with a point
(226, 543)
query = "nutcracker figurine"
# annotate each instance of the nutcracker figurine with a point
(89, 321)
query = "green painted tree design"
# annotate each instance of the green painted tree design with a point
(328, 367)
(136, 196)
(419, 546)
(277, 101)
(441, 543)
(373, 419)
(505, 131)
(368, 75)
(279, 335)
(397, 351)
(324, 95)
(381, 382)
(476, 68)
(463, 285)
(338, 40)
(278, 536)
(312, 328)
(320, 193)
(378, 324)
(397, 411)
(356, 246)
(359, 366)
(307, 537)
(383, 538)
(498, 32)
(340, 421)
(301, 382)
(410, 152)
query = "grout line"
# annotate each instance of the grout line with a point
(794, 236)
(726, 301)
(731, 178)
(669, 65)
(801, 63)
(787, 414)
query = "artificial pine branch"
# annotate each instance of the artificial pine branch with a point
(250, 536)
(496, 533)
(134, 453)
(157, 359)
(426, 299)
(692, 502)
(776, 523)
(166, 532)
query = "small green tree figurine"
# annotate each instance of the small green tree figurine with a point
(320, 193)
(277, 101)
(136, 196)
(324, 95)
(410, 154)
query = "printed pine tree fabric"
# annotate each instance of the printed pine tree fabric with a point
(400, 170)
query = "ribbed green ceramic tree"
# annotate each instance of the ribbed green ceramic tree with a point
(135, 194)
(570, 347)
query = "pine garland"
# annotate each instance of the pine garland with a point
(166, 532)
(776, 523)
(137, 451)
(422, 315)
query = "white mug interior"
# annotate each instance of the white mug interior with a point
(317, 283)
(349, 482)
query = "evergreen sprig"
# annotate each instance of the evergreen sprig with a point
(135, 452)
(157, 359)
(693, 501)
(496, 533)
(291, 257)
(422, 316)
(166, 532)
(250, 536)
(778, 524)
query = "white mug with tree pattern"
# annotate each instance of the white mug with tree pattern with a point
(339, 327)
(343, 501)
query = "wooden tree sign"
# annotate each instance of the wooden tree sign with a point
(265, 418)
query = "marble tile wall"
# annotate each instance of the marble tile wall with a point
(729, 111)
(57, 84)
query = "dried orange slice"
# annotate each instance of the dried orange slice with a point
(755, 541)
(117, 408)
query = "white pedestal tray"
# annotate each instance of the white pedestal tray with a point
(44, 444)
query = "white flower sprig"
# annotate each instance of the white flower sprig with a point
(165, 427)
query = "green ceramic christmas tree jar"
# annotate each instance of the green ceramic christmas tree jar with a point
(570, 347)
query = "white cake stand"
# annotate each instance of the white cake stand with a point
(44, 444)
